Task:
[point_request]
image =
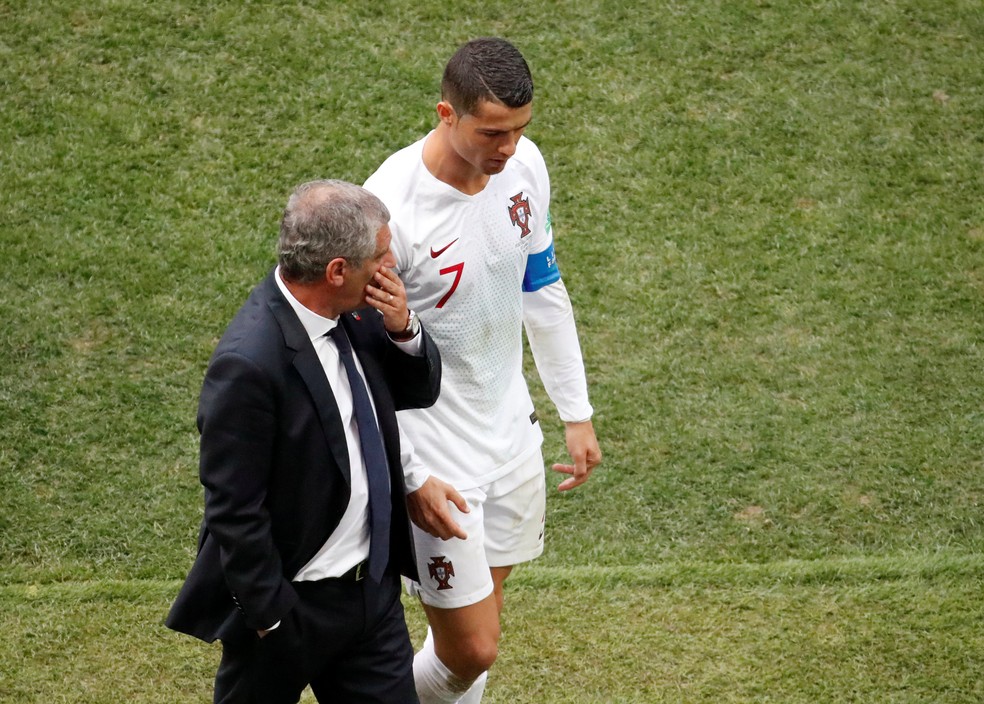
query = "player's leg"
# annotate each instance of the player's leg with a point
(477, 689)
(466, 639)
(456, 670)
(505, 527)
(457, 592)
(514, 520)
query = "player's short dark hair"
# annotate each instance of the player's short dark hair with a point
(487, 68)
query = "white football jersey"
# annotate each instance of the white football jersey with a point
(462, 259)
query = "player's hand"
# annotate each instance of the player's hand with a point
(386, 294)
(582, 446)
(429, 509)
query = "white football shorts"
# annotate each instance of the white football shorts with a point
(504, 527)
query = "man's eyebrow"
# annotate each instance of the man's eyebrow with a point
(490, 130)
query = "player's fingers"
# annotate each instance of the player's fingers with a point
(568, 484)
(580, 466)
(446, 527)
(455, 531)
(432, 524)
(458, 500)
(572, 481)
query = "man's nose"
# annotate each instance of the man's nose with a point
(508, 146)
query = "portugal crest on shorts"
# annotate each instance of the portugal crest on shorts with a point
(441, 571)
(519, 214)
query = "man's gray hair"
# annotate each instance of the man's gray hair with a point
(325, 220)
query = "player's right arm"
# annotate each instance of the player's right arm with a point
(430, 508)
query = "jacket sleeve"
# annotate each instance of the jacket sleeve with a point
(415, 381)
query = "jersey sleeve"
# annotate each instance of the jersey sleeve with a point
(414, 471)
(384, 188)
(550, 328)
(541, 264)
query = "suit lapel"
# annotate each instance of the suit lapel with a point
(308, 365)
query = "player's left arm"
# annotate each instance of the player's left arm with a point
(551, 330)
(549, 320)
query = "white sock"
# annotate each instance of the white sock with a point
(435, 683)
(475, 692)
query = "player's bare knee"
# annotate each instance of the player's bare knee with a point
(478, 661)
(484, 655)
(473, 657)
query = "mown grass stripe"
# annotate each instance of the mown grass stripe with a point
(853, 570)
(822, 571)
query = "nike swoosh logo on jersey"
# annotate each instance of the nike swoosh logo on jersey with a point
(435, 253)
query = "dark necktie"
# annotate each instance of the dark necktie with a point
(374, 456)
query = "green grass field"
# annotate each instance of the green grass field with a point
(771, 220)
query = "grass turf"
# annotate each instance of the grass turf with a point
(769, 218)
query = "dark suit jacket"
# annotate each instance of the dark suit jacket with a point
(274, 461)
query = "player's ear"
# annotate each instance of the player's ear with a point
(445, 112)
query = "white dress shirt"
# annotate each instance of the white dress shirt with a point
(348, 545)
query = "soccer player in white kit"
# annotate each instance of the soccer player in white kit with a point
(473, 241)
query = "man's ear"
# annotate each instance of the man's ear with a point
(446, 112)
(335, 271)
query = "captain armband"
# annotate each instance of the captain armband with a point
(541, 270)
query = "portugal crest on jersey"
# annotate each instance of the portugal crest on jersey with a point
(441, 571)
(519, 214)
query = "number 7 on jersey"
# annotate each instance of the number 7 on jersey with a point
(456, 269)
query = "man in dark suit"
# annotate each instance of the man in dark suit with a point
(306, 526)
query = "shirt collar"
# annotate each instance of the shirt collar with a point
(314, 325)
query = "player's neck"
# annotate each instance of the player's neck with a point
(446, 165)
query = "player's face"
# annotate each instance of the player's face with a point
(487, 139)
